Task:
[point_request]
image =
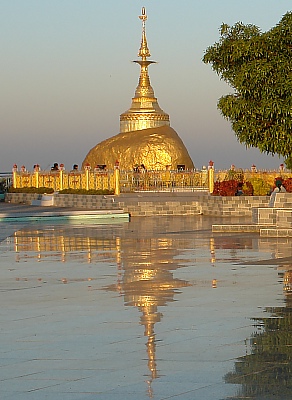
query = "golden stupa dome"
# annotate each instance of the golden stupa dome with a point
(156, 148)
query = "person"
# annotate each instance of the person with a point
(75, 167)
(55, 167)
(136, 175)
(279, 187)
(239, 190)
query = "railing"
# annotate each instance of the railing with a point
(158, 181)
(131, 181)
(5, 181)
(128, 181)
(60, 180)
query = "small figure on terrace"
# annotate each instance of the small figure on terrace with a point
(279, 187)
(55, 167)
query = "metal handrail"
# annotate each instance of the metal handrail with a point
(5, 181)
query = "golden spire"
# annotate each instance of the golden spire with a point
(145, 111)
(144, 51)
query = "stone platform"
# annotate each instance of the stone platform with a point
(20, 212)
(139, 204)
(237, 228)
(275, 220)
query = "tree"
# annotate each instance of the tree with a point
(258, 66)
(266, 373)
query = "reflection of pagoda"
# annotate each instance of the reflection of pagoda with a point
(63, 243)
(148, 283)
(287, 282)
(145, 266)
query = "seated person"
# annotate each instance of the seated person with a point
(55, 167)
(279, 187)
(239, 190)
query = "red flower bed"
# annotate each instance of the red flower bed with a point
(287, 183)
(225, 188)
(231, 188)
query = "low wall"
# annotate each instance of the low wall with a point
(20, 198)
(190, 204)
(68, 200)
(146, 204)
(99, 202)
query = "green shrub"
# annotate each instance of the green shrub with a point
(46, 190)
(234, 175)
(88, 192)
(260, 187)
(248, 189)
(32, 189)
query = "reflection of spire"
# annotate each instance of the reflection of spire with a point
(148, 319)
(212, 250)
(63, 248)
(148, 283)
(148, 288)
(287, 282)
(119, 263)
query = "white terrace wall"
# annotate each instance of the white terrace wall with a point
(68, 200)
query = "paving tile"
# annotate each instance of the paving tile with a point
(149, 322)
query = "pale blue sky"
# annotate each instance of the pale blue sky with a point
(66, 75)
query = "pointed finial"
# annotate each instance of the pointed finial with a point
(144, 51)
(143, 17)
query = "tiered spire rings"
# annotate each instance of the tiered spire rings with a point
(144, 112)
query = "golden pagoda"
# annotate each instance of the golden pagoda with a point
(145, 137)
(145, 111)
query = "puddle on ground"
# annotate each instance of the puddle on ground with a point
(162, 304)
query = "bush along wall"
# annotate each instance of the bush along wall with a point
(253, 187)
(89, 192)
(40, 190)
(225, 188)
(46, 190)
(287, 183)
(236, 183)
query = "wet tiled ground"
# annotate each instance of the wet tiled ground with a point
(156, 308)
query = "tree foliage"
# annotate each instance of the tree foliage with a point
(258, 67)
(266, 373)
